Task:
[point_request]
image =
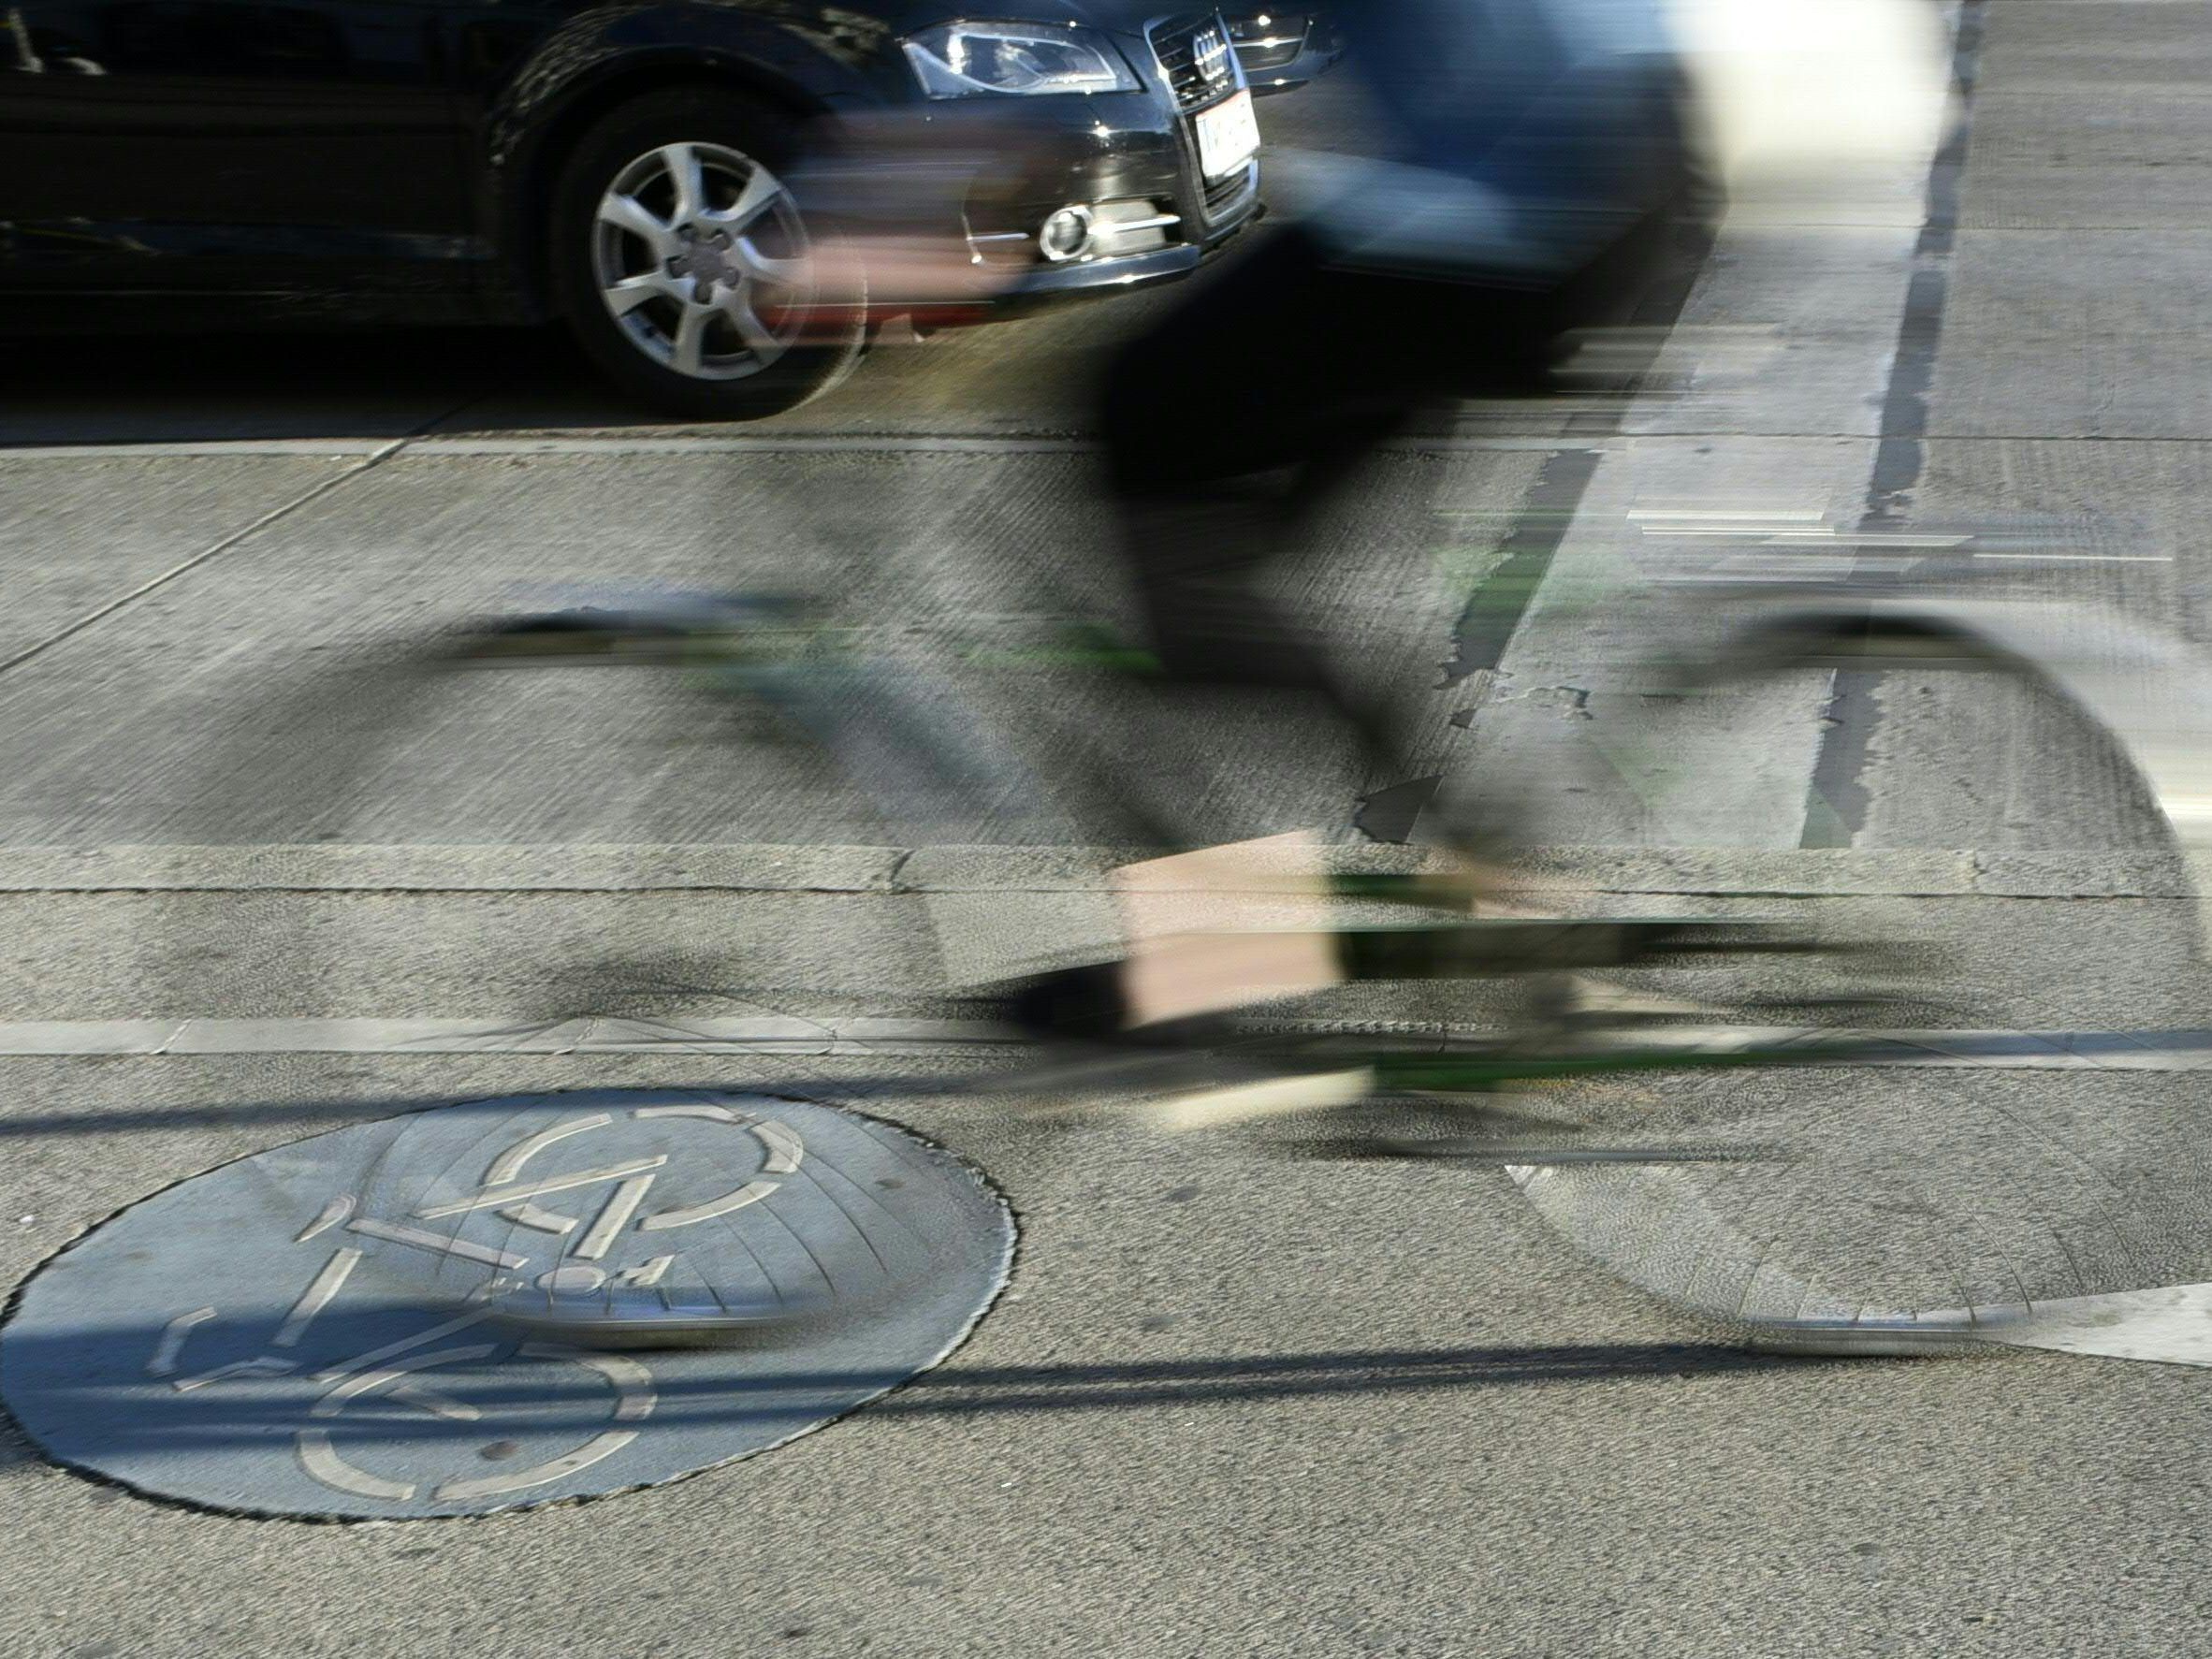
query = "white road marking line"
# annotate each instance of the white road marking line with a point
(2008, 1050)
(705, 1035)
(188, 449)
(866, 871)
(2085, 557)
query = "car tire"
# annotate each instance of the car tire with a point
(682, 262)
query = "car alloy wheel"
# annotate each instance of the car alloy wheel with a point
(700, 257)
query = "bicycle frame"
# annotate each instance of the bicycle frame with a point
(2150, 693)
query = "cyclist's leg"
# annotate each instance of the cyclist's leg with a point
(1228, 426)
(1202, 416)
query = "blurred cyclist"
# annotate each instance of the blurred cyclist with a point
(1538, 170)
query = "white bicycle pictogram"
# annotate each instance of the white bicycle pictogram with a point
(395, 1372)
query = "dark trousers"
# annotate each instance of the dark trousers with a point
(1233, 421)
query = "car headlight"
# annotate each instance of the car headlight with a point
(970, 60)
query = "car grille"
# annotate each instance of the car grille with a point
(1202, 68)
(1195, 55)
(1266, 40)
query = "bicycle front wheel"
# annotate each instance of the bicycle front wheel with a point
(2002, 846)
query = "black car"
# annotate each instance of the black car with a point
(175, 163)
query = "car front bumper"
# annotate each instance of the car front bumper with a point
(1122, 167)
(1128, 166)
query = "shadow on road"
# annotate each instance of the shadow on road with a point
(375, 383)
(361, 386)
(93, 1378)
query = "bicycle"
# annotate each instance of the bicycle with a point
(1628, 1203)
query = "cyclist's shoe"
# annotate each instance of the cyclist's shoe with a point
(1590, 999)
(1189, 1073)
(1247, 1094)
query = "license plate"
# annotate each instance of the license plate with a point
(1227, 136)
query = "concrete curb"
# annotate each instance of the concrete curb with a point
(946, 869)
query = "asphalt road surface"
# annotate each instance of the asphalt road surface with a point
(1232, 1402)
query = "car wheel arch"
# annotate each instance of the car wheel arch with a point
(523, 181)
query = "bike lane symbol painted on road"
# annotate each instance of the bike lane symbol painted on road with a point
(357, 1324)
